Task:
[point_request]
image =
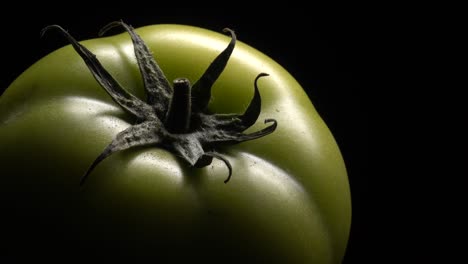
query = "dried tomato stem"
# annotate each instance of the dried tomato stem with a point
(188, 130)
(178, 116)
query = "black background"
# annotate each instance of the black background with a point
(330, 53)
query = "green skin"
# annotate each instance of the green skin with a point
(288, 200)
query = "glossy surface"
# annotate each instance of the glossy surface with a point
(288, 200)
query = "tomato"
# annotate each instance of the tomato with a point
(288, 200)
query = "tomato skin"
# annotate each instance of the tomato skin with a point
(288, 200)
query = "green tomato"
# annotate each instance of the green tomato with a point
(288, 200)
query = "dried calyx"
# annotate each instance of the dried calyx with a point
(177, 118)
